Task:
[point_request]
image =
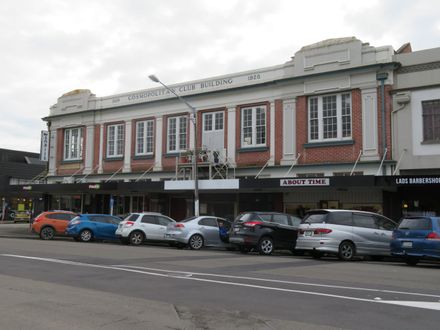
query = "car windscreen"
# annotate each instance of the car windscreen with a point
(415, 224)
(314, 218)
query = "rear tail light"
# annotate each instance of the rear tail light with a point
(179, 225)
(36, 220)
(129, 223)
(301, 231)
(252, 223)
(433, 235)
(75, 222)
(318, 231)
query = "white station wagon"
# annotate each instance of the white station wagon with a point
(140, 227)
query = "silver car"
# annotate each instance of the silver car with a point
(345, 233)
(197, 232)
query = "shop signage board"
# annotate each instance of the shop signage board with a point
(44, 146)
(304, 182)
(417, 180)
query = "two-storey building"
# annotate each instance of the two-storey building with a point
(312, 132)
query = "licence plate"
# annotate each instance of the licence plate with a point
(407, 244)
(308, 233)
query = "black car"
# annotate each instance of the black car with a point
(264, 232)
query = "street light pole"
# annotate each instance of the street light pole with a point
(194, 162)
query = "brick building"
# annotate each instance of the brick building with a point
(312, 132)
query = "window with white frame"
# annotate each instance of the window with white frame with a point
(213, 121)
(73, 141)
(144, 137)
(253, 126)
(431, 121)
(330, 117)
(115, 140)
(177, 134)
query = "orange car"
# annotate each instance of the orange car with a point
(51, 223)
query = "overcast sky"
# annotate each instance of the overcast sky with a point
(50, 47)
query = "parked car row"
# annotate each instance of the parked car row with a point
(346, 234)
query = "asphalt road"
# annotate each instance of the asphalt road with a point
(62, 284)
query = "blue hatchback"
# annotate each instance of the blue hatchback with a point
(417, 238)
(86, 227)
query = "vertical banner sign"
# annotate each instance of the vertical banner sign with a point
(44, 146)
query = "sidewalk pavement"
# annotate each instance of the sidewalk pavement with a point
(16, 230)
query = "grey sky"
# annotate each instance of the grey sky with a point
(50, 47)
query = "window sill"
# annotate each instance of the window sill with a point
(113, 159)
(174, 154)
(428, 142)
(76, 161)
(143, 157)
(253, 149)
(328, 144)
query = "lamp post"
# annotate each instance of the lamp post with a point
(194, 162)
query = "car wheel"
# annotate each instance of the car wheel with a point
(136, 238)
(346, 251)
(412, 261)
(85, 235)
(196, 242)
(47, 233)
(265, 246)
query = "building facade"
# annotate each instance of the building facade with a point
(313, 132)
(19, 168)
(416, 130)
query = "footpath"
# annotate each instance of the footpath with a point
(10, 229)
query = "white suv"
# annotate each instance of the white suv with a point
(139, 227)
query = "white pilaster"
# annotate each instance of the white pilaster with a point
(369, 125)
(101, 148)
(272, 134)
(127, 148)
(89, 152)
(191, 132)
(231, 134)
(158, 149)
(289, 132)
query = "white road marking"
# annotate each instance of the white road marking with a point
(417, 304)
(420, 304)
(281, 281)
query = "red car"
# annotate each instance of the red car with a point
(51, 223)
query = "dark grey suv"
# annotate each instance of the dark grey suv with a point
(264, 232)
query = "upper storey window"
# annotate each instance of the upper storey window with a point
(213, 121)
(431, 121)
(330, 117)
(177, 134)
(115, 141)
(144, 137)
(73, 141)
(253, 126)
